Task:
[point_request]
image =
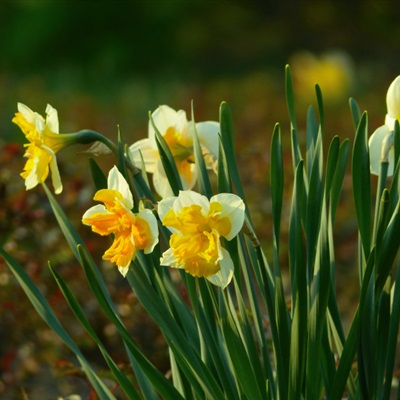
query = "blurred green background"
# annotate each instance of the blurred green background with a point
(108, 63)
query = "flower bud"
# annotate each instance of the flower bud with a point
(393, 99)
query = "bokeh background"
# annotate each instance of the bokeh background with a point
(104, 64)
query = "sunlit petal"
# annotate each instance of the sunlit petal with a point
(223, 277)
(375, 150)
(390, 122)
(27, 113)
(165, 117)
(165, 205)
(233, 209)
(116, 181)
(55, 176)
(160, 182)
(393, 99)
(152, 230)
(148, 151)
(187, 198)
(208, 136)
(52, 119)
(168, 259)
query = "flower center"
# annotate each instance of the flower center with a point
(182, 151)
(196, 247)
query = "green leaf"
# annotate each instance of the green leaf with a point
(317, 315)
(333, 155)
(393, 336)
(352, 341)
(226, 125)
(338, 177)
(277, 186)
(388, 249)
(299, 289)
(46, 313)
(120, 377)
(314, 206)
(187, 358)
(290, 98)
(99, 179)
(160, 383)
(70, 234)
(320, 103)
(168, 161)
(223, 177)
(244, 369)
(312, 130)
(362, 184)
(203, 179)
(355, 112)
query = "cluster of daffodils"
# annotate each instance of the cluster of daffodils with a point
(197, 224)
(381, 141)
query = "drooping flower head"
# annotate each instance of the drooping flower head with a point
(44, 142)
(131, 231)
(197, 225)
(177, 131)
(381, 141)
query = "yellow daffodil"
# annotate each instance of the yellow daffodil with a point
(177, 131)
(197, 225)
(131, 231)
(381, 141)
(44, 143)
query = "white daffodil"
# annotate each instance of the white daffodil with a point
(177, 131)
(44, 143)
(197, 224)
(380, 151)
(381, 141)
(393, 103)
(131, 231)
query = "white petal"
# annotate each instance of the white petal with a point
(55, 175)
(390, 122)
(97, 209)
(187, 198)
(393, 98)
(232, 208)
(148, 216)
(116, 181)
(208, 136)
(165, 205)
(160, 181)
(123, 270)
(168, 259)
(52, 118)
(165, 117)
(223, 277)
(186, 184)
(375, 148)
(27, 113)
(144, 148)
(40, 123)
(32, 179)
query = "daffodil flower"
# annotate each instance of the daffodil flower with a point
(197, 225)
(44, 142)
(131, 231)
(381, 141)
(177, 131)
